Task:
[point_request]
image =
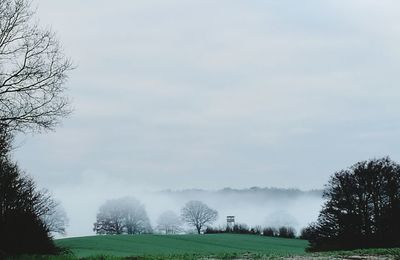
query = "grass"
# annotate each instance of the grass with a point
(156, 246)
(190, 247)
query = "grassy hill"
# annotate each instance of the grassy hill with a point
(139, 245)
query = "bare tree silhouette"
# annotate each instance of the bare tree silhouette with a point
(198, 214)
(33, 70)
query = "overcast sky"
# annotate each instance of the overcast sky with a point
(209, 94)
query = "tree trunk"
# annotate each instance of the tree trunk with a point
(198, 229)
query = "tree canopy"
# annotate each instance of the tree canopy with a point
(362, 208)
(122, 216)
(198, 214)
(169, 223)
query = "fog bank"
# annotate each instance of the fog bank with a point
(253, 206)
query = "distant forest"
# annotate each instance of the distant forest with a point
(259, 192)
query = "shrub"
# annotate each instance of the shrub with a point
(287, 232)
(270, 232)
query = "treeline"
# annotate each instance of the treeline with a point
(258, 192)
(128, 216)
(283, 232)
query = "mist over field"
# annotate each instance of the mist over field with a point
(254, 206)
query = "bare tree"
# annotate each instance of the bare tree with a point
(124, 215)
(32, 71)
(136, 220)
(42, 204)
(110, 219)
(198, 214)
(56, 219)
(169, 223)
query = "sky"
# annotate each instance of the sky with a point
(211, 94)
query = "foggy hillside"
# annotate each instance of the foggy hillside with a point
(253, 206)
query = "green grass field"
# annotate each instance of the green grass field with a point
(158, 245)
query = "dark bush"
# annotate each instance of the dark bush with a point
(215, 230)
(237, 229)
(241, 229)
(287, 232)
(270, 232)
(257, 230)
